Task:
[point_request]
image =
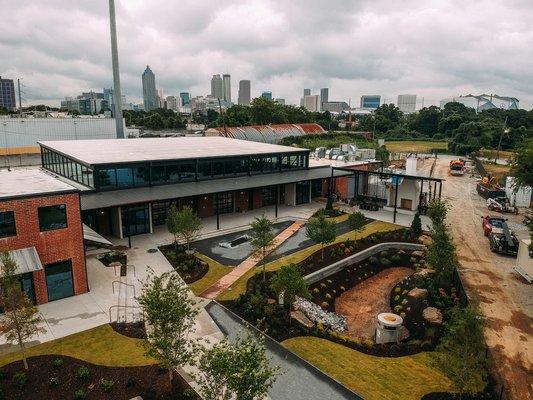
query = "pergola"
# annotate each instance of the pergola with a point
(395, 179)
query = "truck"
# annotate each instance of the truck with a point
(457, 167)
(488, 188)
(503, 240)
(524, 262)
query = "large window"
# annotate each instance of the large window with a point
(135, 220)
(52, 217)
(225, 202)
(7, 224)
(269, 195)
(26, 284)
(67, 167)
(303, 191)
(59, 281)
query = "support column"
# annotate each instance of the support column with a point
(216, 211)
(440, 189)
(434, 190)
(277, 200)
(330, 194)
(395, 200)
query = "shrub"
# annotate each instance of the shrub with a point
(329, 281)
(404, 302)
(20, 379)
(373, 260)
(80, 394)
(368, 343)
(396, 258)
(83, 372)
(342, 288)
(3, 375)
(189, 394)
(327, 296)
(54, 381)
(316, 291)
(413, 260)
(402, 314)
(397, 308)
(324, 305)
(58, 362)
(383, 253)
(397, 289)
(397, 297)
(107, 384)
(385, 262)
(322, 285)
(405, 292)
(334, 291)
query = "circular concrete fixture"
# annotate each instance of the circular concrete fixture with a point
(390, 320)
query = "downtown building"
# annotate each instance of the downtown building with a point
(407, 103)
(150, 100)
(244, 93)
(7, 94)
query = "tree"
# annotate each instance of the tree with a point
(357, 221)
(461, 353)
(238, 370)
(437, 211)
(441, 254)
(522, 165)
(170, 315)
(262, 238)
(20, 319)
(321, 231)
(416, 225)
(183, 224)
(289, 281)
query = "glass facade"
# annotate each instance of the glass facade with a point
(135, 220)
(52, 217)
(268, 196)
(303, 191)
(59, 281)
(7, 224)
(67, 167)
(224, 201)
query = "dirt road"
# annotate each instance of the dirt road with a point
(505, 300)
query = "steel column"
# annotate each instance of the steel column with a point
(216, 211)
(395, 200)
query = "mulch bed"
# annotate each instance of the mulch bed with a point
(149, 382)
(113, 256)
(134, 330)
(186, 265)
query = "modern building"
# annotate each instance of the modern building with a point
(266, 95)
(172, 103)
(244, 92)
(149, 90)
(307, 92)
(226, 87)
(109, 97)
(370, 101)
(185, 98)
(129, 185)
(7, 94)
(217, 91)
(484, 102)
(324, 97)
(41, 229)
(335, 106)
(312, 103)
(407, 103)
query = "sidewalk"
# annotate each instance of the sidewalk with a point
(227, 280)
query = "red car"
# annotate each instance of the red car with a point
(489, 222)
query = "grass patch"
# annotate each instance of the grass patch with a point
(100, 345)
(414, 146)
(239, 287)
(215, 272)
(374, 378)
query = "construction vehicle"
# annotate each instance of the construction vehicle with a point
(501, 204)
(503, 240)
(457, 167)
(488, 188)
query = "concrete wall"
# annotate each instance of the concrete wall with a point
(408, 189)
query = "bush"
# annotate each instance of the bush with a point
(83, 372)
(327, 296)
(385, 262)
(324, 305)
(189, 394)
(20, 379)
(322, 285)
(107, 384)
(54, 381)
(373, 260)
(316, 291)
(80, 394)
(397, 289)
(396, 258)
(397, 308)
(58, 362)
(397, 297)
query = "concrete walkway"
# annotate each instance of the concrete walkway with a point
(227, 280)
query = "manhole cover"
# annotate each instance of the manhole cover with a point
(152, 250)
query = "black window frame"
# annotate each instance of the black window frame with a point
(2, 221)
(45, 229)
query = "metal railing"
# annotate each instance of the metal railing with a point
(124, 307)
(125, 284)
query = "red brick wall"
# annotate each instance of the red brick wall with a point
(206, 206)
(52, 246)
(341, 186)
(257, 197)
(241, 200)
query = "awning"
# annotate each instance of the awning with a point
(27, 260)
(92, 236)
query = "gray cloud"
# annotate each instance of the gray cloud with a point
(434, 48)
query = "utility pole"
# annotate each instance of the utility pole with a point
(20, 98)
(116, 75)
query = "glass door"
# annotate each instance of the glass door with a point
(135, 220)
(59, 282)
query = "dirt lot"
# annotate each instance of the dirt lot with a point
(365, 301)
(505, 299)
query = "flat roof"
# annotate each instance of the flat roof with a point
(112, 151)
(27, 182)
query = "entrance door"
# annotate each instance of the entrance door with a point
(302, 192)
(135, 220)
(59, 282)
(26, 284)
(406, 204)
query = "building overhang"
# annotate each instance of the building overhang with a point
(27, 260)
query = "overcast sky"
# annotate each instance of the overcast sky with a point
(434, 49)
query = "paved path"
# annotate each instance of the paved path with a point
(227, 280)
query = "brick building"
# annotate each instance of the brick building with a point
(41, 228)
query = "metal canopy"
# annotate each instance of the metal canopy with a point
(92, 236)
(27, 260)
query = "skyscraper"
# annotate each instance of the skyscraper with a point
(216, 87)
(311, 102)
(226, 87)
(244, 93)
(324, 97)
(407, 103)
(266, 95)
(7, 94)
(185, 98)
(307, 92)
(370, 101)
(149, 92)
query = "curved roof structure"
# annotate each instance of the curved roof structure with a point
(267, 133)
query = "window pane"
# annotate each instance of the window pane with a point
(124, 177)
(7, 224)
(59, 283)
(204, 169)
(225, 203)
(107, 178)
(158, 174)
(218, 167)
(52, 217)
(188, 171)
(172, 173)
(141, 176)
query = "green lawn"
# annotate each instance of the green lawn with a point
(215, 272)
(100, 345)
(374, 378)
(414, 146)
(239, 287)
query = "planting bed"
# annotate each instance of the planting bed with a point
(113, 256)
(49, 378)
(134, 330)
(189, 267)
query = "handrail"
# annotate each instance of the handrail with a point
(124, 283)
(119, 307)
(127, 265)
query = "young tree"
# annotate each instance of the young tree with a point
(238, 370)
(437, 211)
(357, 221)
(169, 314)
(262, 238)
(416, 225)
(290, 282)
(20, 319)
(441, 254)
(461, 352)
(321, 231)
(183, 224)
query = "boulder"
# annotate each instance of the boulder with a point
(425, 240)
(302, 319)
(271, 301)
(418, 293)
(432, 315)
(418, 253)
(424, 272)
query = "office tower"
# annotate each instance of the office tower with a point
(407, 103)
(324, 97)
(370, 101)
(311, 102)
(244, 92)
(160, 98)
(185, 98)
(172, 103)
(307, 92)
(149, 91)
(7, 94)
(266, 95)
(216, 87)
(226, 87)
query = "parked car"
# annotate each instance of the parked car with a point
(488, 222)
(503, 240)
